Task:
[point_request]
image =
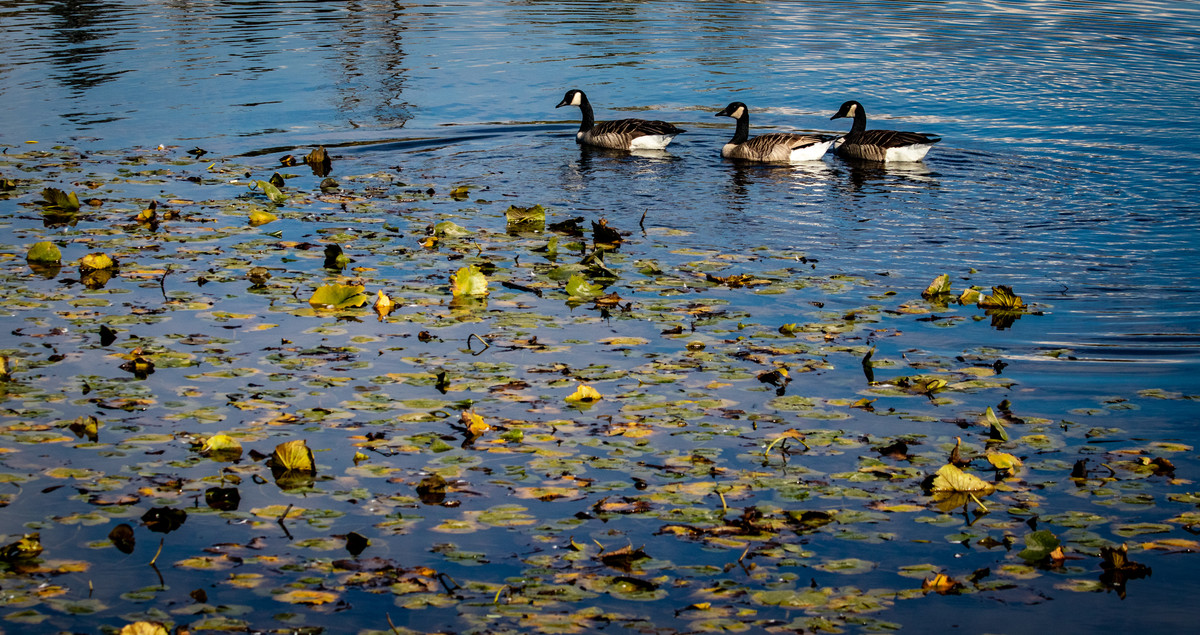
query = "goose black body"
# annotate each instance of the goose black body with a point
(773, 147)
(878, 145)
(622, 134)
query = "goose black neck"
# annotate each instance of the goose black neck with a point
(860, 120)
(588, 119)
(742, 132)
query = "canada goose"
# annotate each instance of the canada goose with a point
(623, 134)
(773, 147)
(878, 145)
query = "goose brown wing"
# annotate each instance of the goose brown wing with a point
(890, 138)
(776, 146)
(635, 128)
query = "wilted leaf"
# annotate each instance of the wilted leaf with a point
(432, 489)
(319, 161)
(59, 199)
(44, 252)
(164, 520)
(474, 423)
(1002, 298)
(941, 583)
(939, 286)
(28, 546)
(468, 281)
(122, 538)
(223, 499)
(339, 296)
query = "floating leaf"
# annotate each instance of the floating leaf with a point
(949, 478)
(96, 262)
(579, 288)
(339, 296)
(584, 394)
(468, 281)
(306, 596)
(273, 193)
(1038, 546)
(1003, 461)
(44, 252)
(143, 628)
(448, 229)
(526, 217)
(460, 193)
(222, 447)
(293, 456)
(261, 217)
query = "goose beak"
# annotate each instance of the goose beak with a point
(563, 103)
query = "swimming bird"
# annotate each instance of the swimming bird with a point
(772, 147)
(878, 145)
(623, 134)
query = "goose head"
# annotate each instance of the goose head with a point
(737, 110)
(848, 109)
(574, 97)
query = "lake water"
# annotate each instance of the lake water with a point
(1069, 170)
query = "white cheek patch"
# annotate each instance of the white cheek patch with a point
(737, 114)
(851, 111)
(575, 100)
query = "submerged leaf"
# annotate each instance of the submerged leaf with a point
(1038, 546)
